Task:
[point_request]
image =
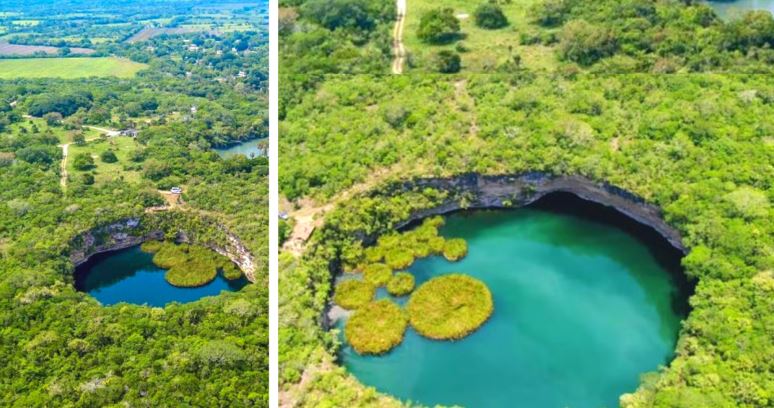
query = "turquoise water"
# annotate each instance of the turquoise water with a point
(248, 148)
(582, 309)
(130, 276)
(731, 9)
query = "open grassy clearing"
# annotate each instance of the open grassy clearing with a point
(64, 135)
(69, 68)
(123, 147)
(485, 48)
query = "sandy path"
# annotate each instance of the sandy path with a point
(63, 166)
(398, 49)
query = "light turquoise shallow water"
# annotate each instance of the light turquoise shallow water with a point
(582, 309)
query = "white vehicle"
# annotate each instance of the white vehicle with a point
(175, 190)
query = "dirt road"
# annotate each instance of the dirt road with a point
(398, 50)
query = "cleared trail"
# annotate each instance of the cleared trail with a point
(398, 49)
(63, 166)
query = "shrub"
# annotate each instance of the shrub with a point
(401, 284)
(83, 162)
(108, 156)
(436, 244)
(87, 179)
(230, 270)
(399, 258)
(333, 14)
(447, 62)
(450, 307)
(152, 246)
(490, 16)
(585, 43)
(378, 274)
(352, 294)
(455, 249)
(438, 26)
(376, 327)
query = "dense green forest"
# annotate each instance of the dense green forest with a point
(130, 140)
(662, 99)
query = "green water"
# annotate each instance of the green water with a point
(130, 276)
(582, 309)
(733, 9)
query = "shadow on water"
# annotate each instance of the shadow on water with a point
(666, 255)
(565, 204)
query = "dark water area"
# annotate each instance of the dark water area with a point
(129, 275)
(586, 301)
(728, 10)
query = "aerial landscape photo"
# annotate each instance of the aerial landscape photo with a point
(526, 203)
(134, 203)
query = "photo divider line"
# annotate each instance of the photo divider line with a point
(273, 203)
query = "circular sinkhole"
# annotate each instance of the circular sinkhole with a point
(586, 300)
(130, 275)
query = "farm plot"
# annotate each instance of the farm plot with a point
(28, 50)
(68, 68)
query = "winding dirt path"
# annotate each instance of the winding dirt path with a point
(398, 49)
(63, 166)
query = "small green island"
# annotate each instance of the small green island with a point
(450, 307)
(376, 327)
(190, 265)
(444, 308)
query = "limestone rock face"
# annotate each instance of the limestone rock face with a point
(510, 191)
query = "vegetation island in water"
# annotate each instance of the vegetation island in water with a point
(445, 308)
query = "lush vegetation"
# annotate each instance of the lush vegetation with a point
(401, 284)
(455, 249)
(352, 293)
(60, 347)
(697, 144)
(376, 327)
(490, 16)
(450, 307)
(377, 274)
(190, 265)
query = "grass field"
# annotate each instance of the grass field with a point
(64, 136)
(486, 48)
(68, 68)
(122, 146)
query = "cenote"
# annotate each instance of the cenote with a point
(129, 275)
(585, 301)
